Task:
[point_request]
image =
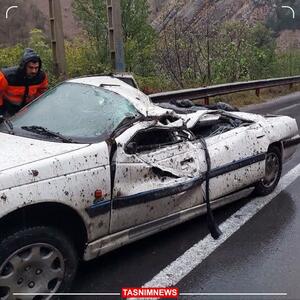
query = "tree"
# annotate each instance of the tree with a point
(243, 52)
(92, 15)
(263, 52)
(237, 51)
(184, 53)
(139, 37)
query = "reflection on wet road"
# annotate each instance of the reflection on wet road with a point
(262, 256)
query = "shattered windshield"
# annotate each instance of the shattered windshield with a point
(77, 111)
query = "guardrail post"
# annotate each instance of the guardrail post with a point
(290, 86)
(206, 100)
(257, 92)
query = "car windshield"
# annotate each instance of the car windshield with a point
(74, 110)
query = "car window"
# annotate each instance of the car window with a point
(211, 125)
(154, 138)
(77, 110)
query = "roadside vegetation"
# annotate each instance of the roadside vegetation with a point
(250, 97)
(176, 58)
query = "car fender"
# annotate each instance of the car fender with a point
(70, 180)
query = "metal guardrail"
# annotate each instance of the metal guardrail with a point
(222, 89)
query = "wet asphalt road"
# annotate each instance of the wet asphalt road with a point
(263, 256)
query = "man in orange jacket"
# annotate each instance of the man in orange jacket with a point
(22, 84)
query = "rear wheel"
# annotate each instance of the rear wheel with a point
(36, 260)
(273, 169)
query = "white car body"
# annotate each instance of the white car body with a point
(149, 190)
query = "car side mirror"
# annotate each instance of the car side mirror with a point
(131, 148)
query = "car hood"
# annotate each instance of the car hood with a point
(16, 151)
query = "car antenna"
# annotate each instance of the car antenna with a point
(211, 223)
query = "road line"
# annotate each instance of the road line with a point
(184, 264)
(286, 108)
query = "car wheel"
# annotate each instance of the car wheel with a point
(273, 170)
(36, 260)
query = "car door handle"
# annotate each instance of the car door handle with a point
(187, 160)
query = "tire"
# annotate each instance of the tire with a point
(272, 173)
(36, 260)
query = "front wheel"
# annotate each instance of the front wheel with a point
(36, 260)
(273, 170)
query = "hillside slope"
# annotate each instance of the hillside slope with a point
(195, 13)
(32, 14)
(71, 27)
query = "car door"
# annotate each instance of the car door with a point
(157, 174)
(237, 159)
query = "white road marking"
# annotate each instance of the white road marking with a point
(184, 264)
(286, 108)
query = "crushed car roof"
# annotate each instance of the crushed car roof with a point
(144, 105)
(136, 97)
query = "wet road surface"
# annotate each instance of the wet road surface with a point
(263, 256)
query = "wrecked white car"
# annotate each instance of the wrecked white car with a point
(92, 165)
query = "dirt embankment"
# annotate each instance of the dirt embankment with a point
(32, 14)
(197, 12)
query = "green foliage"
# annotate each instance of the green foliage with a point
(80, 56)
(139, 37)
(286, 64)
(153, 84)
(10, 56)
(233, 51)
(243, 52)
(82, 59)
(93, 17)
(263, 52)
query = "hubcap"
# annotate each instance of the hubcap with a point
(272, 169)
(37, 268)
